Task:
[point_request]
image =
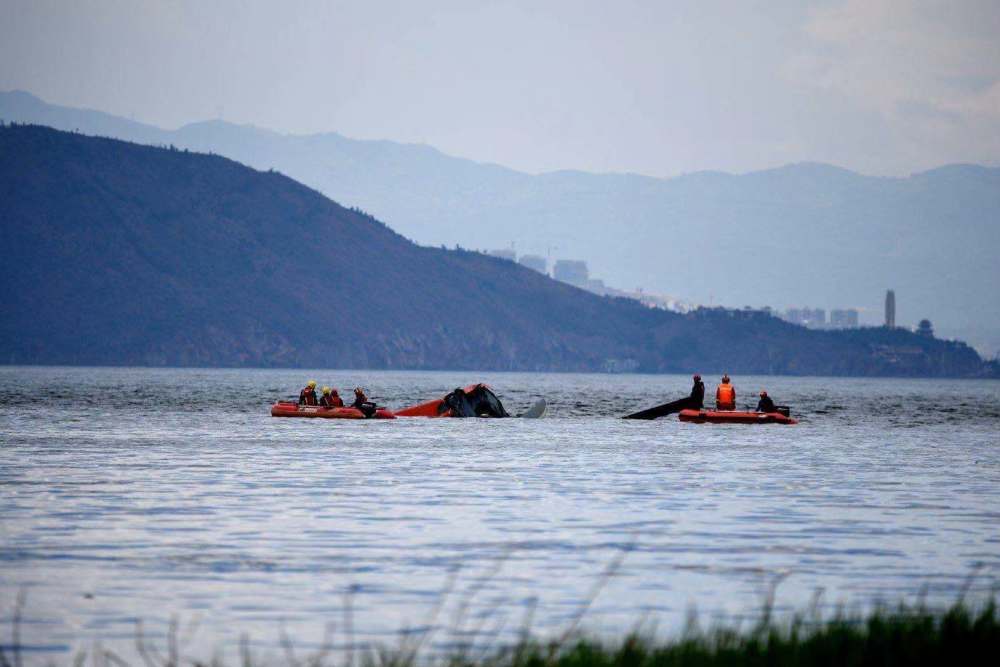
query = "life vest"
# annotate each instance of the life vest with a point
(336, 401)
(308, 396)
(725, 396)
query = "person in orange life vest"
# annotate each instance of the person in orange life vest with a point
(725, 395)
(308, 394)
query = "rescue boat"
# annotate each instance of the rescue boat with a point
(476, 400)
(734, 417)
(292, 409)
(472, 401)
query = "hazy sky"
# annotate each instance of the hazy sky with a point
(880, 86)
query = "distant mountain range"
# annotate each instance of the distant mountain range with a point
(118, 253)
(805, 234)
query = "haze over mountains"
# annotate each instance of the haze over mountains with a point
(806, 234)
(118, 253)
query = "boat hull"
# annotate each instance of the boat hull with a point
(289, 409)
(433, 409)
(733, 417)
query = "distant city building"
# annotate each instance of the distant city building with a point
(925, 329)
(844, 318)
(571, 271)
(890, 309)
(506, 253)
(814, 318)
(535, 262)
(576, 272)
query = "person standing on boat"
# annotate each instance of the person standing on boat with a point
(725, 395)
(765, 404)
(696, 400)
(308, 394)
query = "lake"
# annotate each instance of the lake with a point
(149, 494)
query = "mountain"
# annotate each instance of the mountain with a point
(119, 253)
(804, 234)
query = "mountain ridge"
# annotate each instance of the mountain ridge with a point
(37, 103)
(119, 253)
(800, 234)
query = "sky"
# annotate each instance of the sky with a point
(884, 87)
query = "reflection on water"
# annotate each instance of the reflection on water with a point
(138, 494)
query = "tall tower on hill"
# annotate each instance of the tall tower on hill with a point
(890, 309)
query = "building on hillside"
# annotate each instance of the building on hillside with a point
(890, 309)
(535, 262)
(571, 271)
(844, 318)
(814, 318)
(925, 329)
(505, 253)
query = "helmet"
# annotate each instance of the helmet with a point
(312, 383)
(326, 390)
(697, 378)
(334, 392)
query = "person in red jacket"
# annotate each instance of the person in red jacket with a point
(725, 395)
(335, 399)
(308, 394)
(325, 400)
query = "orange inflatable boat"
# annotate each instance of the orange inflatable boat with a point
(292, 409)
(734, 417)
(476, 400)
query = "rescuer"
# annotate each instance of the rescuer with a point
(326, 400)
(308, 394)
(359, 398)
(725, 395)
(765, 404)
(335, 400)
(697, 399)
(362, 403)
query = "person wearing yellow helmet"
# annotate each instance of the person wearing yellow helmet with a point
(324, 400)
(308, 394)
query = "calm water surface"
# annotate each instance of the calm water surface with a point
(138, 494)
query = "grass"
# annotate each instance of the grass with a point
(959, 635)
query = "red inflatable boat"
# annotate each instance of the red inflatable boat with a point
(292, 409)
(437, 407)
(733, 417)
